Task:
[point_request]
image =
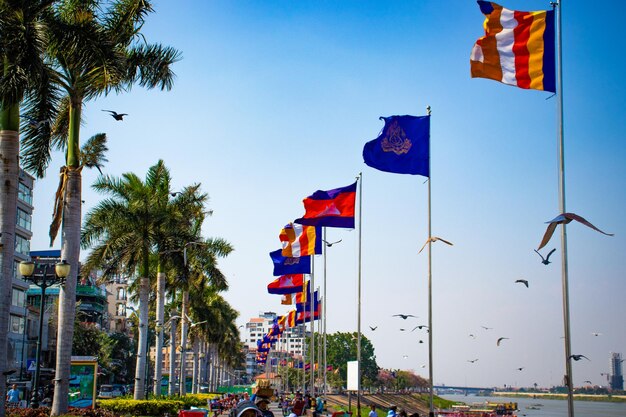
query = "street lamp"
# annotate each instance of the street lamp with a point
(43, 281)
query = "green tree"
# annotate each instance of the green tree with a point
(341, 348)
(95, 47)
(23, 76)
(123, 230)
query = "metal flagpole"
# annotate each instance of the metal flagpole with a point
(310, 299)
(430, 288)
(324, 316)
(358, 343)
(564, 271)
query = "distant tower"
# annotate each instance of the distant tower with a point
(617, 379)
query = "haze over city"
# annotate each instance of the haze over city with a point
(274, 100)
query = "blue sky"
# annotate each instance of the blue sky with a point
(274, 100)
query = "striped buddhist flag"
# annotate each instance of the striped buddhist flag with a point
(518, 48)
(300, 240)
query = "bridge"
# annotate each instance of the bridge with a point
(464, 390)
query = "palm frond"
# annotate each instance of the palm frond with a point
(150, 66)
(93, 151)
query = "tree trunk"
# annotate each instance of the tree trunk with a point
(183, 344)
(9, 179)
(142, 344)
(70, 251)
(160, 317)
(172, 385)
(195, 372)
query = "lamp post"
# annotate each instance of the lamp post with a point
(43, 281)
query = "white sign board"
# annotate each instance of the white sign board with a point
(352, 384)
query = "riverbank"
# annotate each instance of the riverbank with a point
(550, 396)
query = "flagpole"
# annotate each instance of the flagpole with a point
(430, 287)
(564, 270)
(358, 343)
(324, 315)
(311, 309)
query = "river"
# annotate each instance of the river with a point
(551, 408)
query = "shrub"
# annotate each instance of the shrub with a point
(154, 407)
(28, 412)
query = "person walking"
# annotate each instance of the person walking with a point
(372, 412)
(392, 411)
(13, 396)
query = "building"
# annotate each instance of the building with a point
(291, 343)
(21, 329)
(117, 296)
(617, 378)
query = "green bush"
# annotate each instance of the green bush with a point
(88, 412)
(195, 400)
(154, 407)
(28, 412)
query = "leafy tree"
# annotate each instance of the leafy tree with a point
(95, 47)
(341, 348)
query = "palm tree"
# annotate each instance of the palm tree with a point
(123, 231)
(23, 75)
(95, 47)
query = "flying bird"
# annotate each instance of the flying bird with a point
(434, 239)
(373, 328)
(472, 361)
(596, 334)
(522, 281)
(402, 330)
(565, 218)
(423, 366)
(421, 341)
(487, 328)
(192, 324)
(405, 356)
(404, 316)
(579, 357)
(117, 116)
(500, 340)
(35, 123)
(421, 326)
(588, 382)
(472, 336)
(545, 260)
(520, 369)
(330, 244)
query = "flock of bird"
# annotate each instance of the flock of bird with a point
(35, 124)
(564, 218)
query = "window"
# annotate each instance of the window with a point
(23, 219)
(18, 298)
(121, 309)
(16, 324)
(121, 294)
(25, 194)
(22, 245)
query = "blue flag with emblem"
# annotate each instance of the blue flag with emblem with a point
(403, 147)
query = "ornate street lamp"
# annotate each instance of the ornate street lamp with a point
(43, 280)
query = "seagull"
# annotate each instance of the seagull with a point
(472, 361)
(500, 340)
(423, 366)
(579, 357)
(589, 382)
(522, 281)
(421, 341)
(520, 369)
(373, 328)
(421, 326)
(433, 239)
(404, 316)
(545, 260)
(487, 328)
(596, 334)
(405, 356)
(565, 218)
(117, 116)
(330, 244)
(472, 336)
(402, 330)
(192, 324)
